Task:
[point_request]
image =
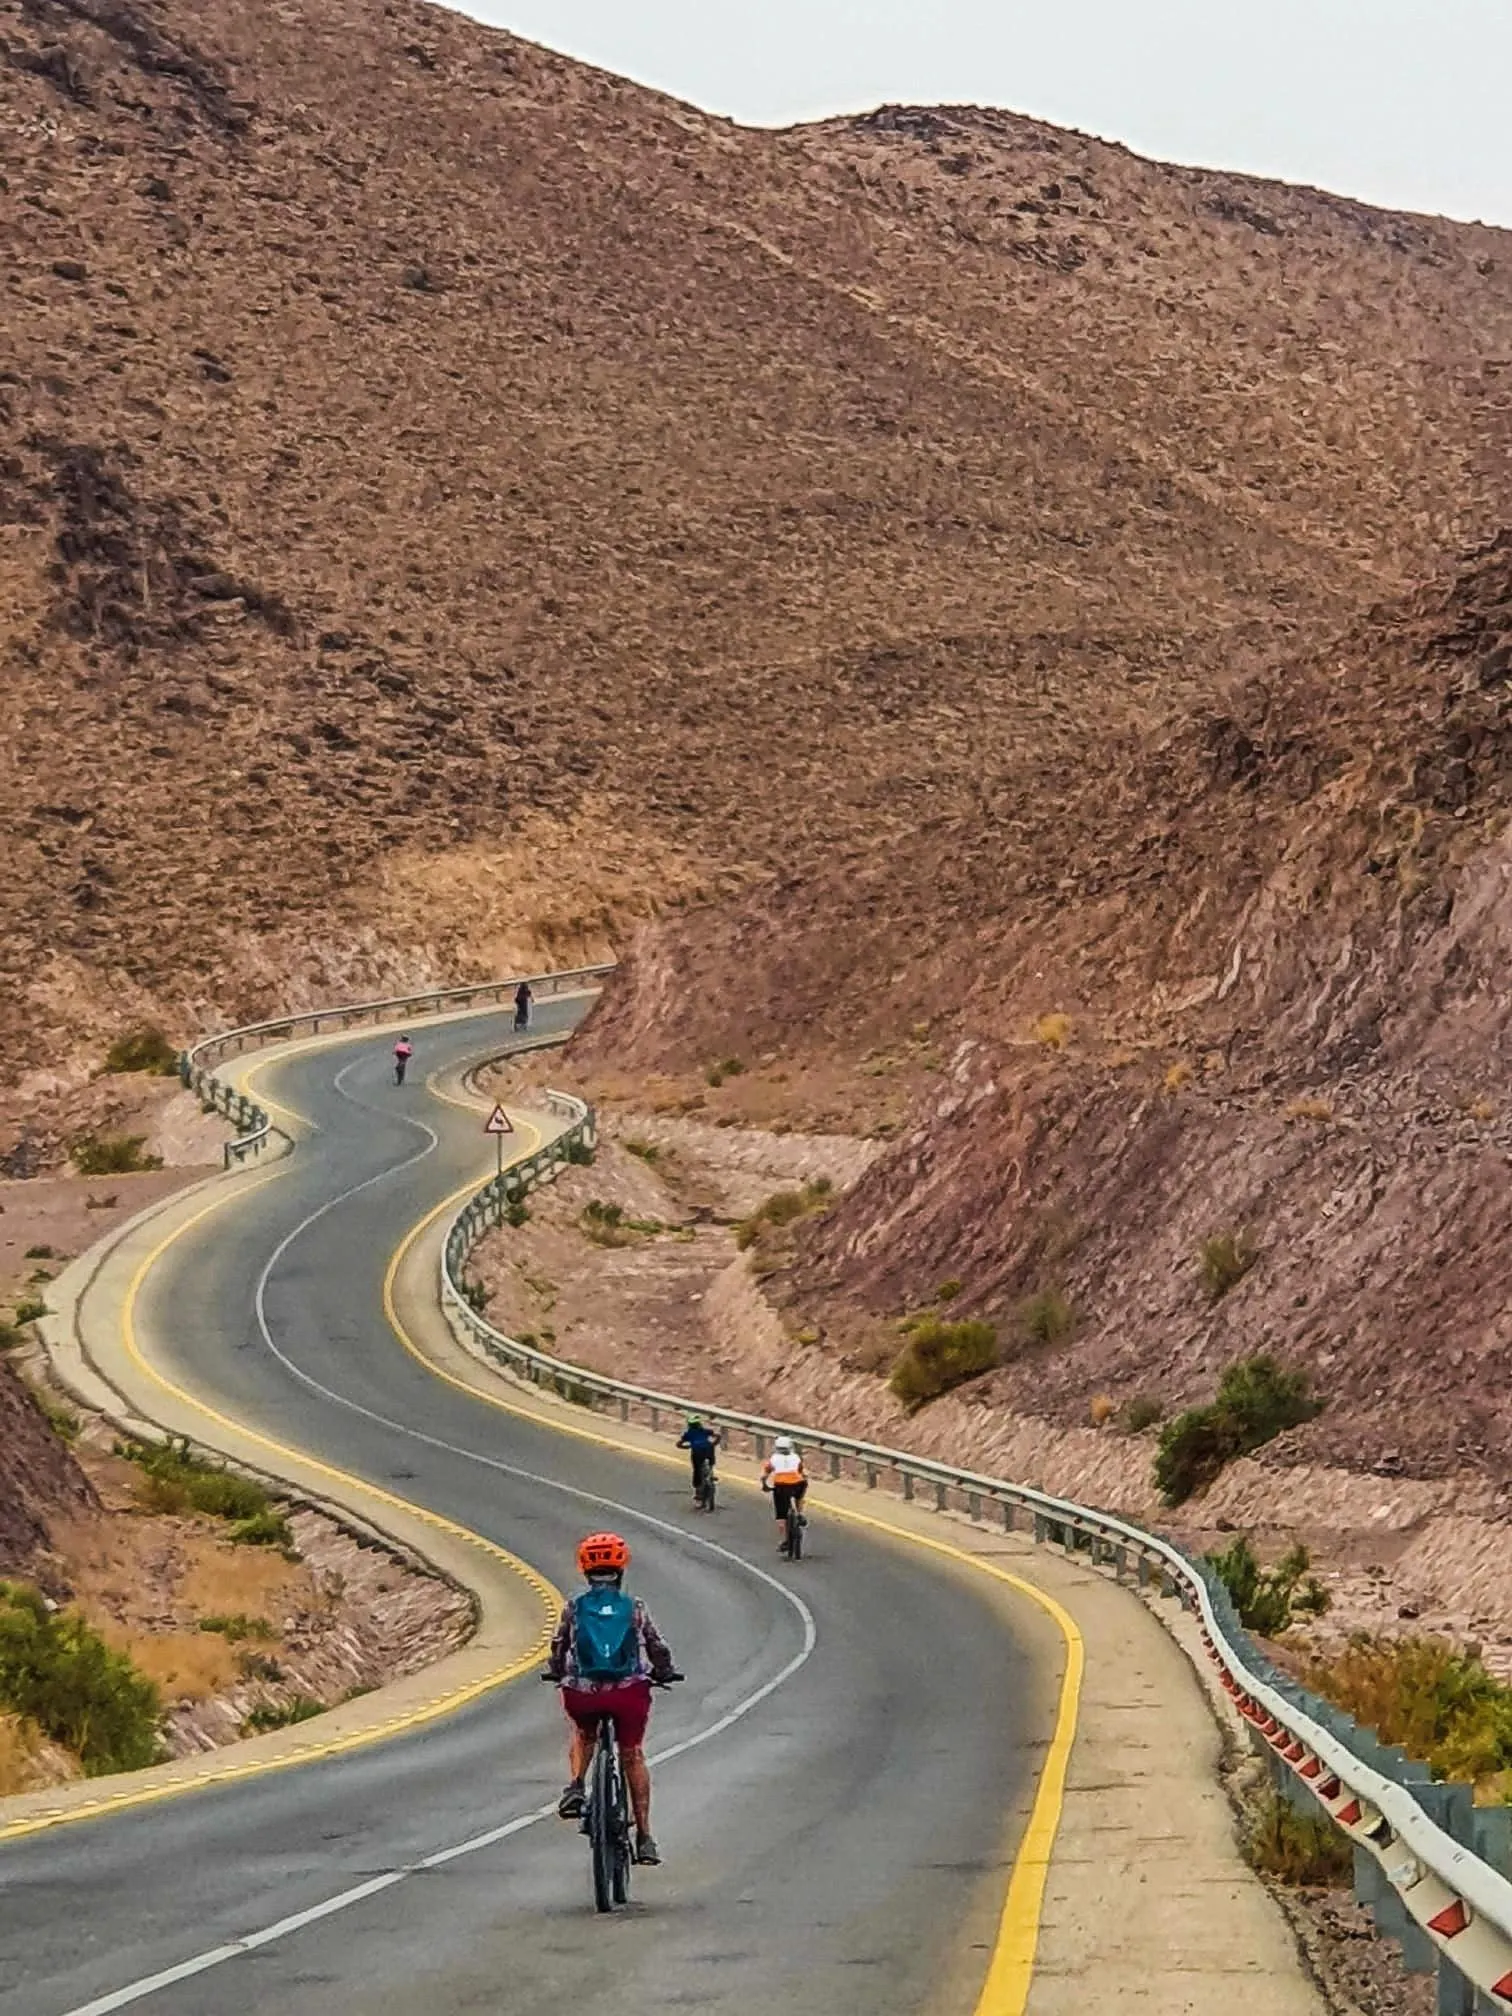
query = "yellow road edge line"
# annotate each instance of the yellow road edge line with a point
(232, 1769)
(1010, 1971)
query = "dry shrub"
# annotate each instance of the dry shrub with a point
(144, 1049)
(18, 1755)
(1102, 1409)
(1308, 1106)
(1177, 1075)
(1048, 1317)
(1428, 1696)
(111, 1154)
(219, 1583)
(1225, 1259)
(184, 1665)
(1297, 1847)
(1054, 1031)
(781, 1209)
(1143, 1411)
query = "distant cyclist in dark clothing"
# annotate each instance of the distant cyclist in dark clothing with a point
(700, 1441)
(402, 1056)
(523, 999)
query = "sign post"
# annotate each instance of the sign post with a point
(499, 1124)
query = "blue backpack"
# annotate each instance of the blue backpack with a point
(605, 1640)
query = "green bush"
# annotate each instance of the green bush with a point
(238, 1626)
(144, 1049)
(175, 1480)
(727, 1067)
(475, 1295)
(648, 1151)
(515, 1213)
(579, 1154)
(1268, 1599)
(1142, 1412)
(939, 1355)
(265, 1529)
(1297, 1847)
(41, 1253)
(948, 1290)
(111, 1155)
(281, 1714)
(58, 1672)
(607, 1225)
(30, 1309)
(1257, 1400)
(1048, 1317)
(63, 1421)
(1224, 1260)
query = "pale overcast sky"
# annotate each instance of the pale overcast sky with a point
(1401, 102)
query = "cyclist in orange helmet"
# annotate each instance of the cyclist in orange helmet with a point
(605, 1653)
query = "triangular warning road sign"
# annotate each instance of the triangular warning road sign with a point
(498, 1122)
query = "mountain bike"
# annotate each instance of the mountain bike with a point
(703, 1484)
(606, 1812)
(793, 1523)
(606, 1820)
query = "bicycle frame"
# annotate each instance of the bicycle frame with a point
(606, 1820)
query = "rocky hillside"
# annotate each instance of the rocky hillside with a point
(453, 502)
(39, 1482)
(1265, 1004)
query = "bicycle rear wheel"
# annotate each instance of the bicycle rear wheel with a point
(794, 1532)
(601, 1818)
(707, 1489)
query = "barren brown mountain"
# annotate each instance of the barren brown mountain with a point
(456, 504)
(454, 501)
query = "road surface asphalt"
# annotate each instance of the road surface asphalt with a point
(843, 1846)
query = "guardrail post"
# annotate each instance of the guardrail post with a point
(974, 1505)
(834, 1462)
(907, 1487)
(941, 1498)
(1041, 1529)
(871, 1476)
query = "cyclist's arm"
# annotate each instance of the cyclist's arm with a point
(683, 1441)
(658, 1651)
(561, 1645)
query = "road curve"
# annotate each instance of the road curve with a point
(853, 1753)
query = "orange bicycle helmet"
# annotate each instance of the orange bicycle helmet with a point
(602, 1553)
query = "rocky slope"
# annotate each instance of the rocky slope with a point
(1266, 999)
(453, 500)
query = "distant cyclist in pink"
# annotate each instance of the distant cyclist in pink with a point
(402, 1055)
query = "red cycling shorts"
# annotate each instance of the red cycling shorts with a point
(628, 1705)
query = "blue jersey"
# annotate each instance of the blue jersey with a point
(701, 1440)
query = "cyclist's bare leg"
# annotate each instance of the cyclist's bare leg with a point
(579, 1753)
(638, 1779)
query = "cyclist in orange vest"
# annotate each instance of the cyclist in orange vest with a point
(782, 1474)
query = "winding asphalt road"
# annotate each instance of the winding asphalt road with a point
(843, 1846)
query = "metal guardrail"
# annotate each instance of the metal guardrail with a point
(255, 1127)
(1428, 1862)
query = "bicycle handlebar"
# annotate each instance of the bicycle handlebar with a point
(657, 1680)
